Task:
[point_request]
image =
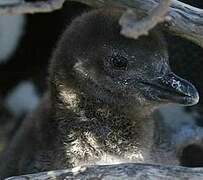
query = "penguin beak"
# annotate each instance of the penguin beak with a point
(173, 89)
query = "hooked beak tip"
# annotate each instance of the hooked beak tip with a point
(194, 98)
(172, 89)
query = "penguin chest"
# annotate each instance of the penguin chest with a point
(91, 152)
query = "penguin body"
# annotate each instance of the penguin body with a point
(103, 89)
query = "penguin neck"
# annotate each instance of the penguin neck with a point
(124, 132)
(71, 100)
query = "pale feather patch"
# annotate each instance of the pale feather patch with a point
(88, 147)
(79, 68)
(106, 159)
(69, 97)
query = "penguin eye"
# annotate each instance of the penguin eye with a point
(119, 62)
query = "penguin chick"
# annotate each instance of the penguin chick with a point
(103, 90)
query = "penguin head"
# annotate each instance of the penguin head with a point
(94, 58)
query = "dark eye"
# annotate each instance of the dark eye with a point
(119, 62)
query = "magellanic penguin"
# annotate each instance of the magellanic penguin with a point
(103, 90)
